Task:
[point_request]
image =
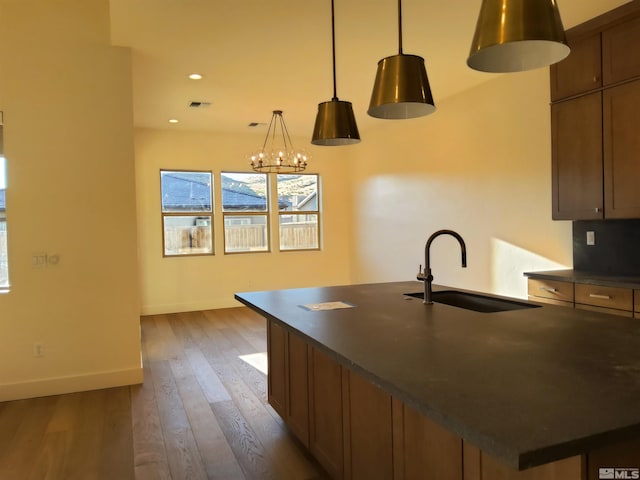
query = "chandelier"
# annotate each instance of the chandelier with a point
(278, 156)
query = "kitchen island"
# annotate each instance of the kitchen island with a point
(391, 388)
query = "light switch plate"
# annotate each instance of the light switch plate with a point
(591, 238)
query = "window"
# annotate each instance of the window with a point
(245, 210)
(298, 212)
(186, 213)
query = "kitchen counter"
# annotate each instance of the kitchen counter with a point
(526, 386)
(578, 276)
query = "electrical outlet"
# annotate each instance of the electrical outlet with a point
(591, 238)
(38, 350)
(39, 260)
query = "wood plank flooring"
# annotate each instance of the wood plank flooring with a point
(201, 413)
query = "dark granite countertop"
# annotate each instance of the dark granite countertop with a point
(526, 386)
(578, 276)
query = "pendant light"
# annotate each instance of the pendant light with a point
(401, 89)
(277, 154)
(517, 35)
(335, 121)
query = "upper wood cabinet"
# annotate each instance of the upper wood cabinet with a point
(620, 59)
(581, 71)
(621, 120)
(595, 120)
(576, 160)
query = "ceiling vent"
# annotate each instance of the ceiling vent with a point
(199, 104)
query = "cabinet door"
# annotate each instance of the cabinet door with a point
(580, 71)
(297, 388)
(422, 449)
(622, 151)
(325, 412)
(576, 138)
(276, 357)
(480, 466)
(368, 445)
(620, 60)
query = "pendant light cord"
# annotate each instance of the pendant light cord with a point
(400, 26)
(333, 49)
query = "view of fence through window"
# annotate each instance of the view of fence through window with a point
(187, 211)
(246, 212)
(298, 212)
(4, 258)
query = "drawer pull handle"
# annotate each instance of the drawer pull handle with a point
(548, 289)
(602, 297)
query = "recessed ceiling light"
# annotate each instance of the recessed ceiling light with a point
(173, 120)
(195, 76)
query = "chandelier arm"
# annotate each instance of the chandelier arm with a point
(400, 26)
(286, 138)
(277, 118)
(333, 50)
(266, 138)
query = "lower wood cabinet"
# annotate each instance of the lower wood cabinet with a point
(619, 301)
(325, 412)
(614, 300)
(358, 431)
(423, 449)
(550, 291)
(288, 391)
(276, 357)
(368, 439)
(480, 466)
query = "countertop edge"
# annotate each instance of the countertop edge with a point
(589, 278)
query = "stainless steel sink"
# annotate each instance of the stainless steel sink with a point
(475, 302)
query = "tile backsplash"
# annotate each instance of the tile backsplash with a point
(616, 250)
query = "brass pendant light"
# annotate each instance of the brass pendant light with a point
(335, 121)
(401, 89)
(517, 35)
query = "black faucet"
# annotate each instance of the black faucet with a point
(426, 276)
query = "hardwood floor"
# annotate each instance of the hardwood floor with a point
(201, 413)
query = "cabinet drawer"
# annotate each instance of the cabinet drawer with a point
(551, 289)
(612, 311)
(609, 297)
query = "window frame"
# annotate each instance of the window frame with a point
(4, 287)
(266, 213)
(316, 212)
(195, 214)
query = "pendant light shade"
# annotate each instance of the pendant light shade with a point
(401, 89)
(517, 35)
(335, 122)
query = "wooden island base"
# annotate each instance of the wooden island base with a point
(358, 431)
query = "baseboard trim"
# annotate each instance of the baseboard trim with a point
(70, 384)
(189, 307)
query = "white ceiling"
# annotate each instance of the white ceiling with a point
(261, 55)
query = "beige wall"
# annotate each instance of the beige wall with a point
(201, 282)
(480, 165)
(68, 137)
